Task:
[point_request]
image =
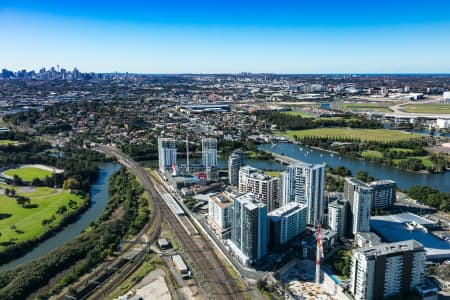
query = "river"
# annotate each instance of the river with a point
(404, 179)
(99, 199)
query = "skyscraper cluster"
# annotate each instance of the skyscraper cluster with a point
(270, 211)
(167, 155)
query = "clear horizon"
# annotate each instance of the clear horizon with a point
(283, 37)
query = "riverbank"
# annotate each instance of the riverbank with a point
(359, 158)
(98, 197)
(119, 219)
(49, 210)
(409, 155)
(404, 179)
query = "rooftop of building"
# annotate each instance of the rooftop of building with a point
(299, 163)
(287, 209)
(222, 199)
(255, 173)
(405, 217)
(338, 203)
(390, 248)
(382, 182)
(355, 181)
(394, 228)
(250, 201)
(369, 236)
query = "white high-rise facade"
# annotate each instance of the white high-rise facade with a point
(249, 230)
(386, 270)
(337, 217)
(220, 207)
(209, 152)
(286, 223)
(209, 157)
(267, 188)
(305, 184)
(167, 154)
(362, 201)
(235, 162)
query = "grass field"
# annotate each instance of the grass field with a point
(29, 173)
(299, 114)
(401, 150)
(371, 154)
(7, 142)
(28, 220)
(380, 135)
(425, 160)
(432, 108)
(370, 106)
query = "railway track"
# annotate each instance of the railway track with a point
(134, 264)
(212, 275)
(93, 283)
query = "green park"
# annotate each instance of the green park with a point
(28, 212)
(370, 135)
(28, 173)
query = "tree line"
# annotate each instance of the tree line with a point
(291, 122)
(87, 250)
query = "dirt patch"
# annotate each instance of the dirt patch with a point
(154, 286)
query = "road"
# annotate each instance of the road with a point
(397, 111)
(209, 270)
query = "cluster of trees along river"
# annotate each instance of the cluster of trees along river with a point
(86, 250)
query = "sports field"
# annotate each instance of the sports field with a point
(432, 108)
(28, 173)
(21, 223)
(380, 135)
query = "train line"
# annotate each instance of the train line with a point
(120, 265)
(212, 275)
(209, 271)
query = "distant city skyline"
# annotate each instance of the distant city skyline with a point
(228, 37)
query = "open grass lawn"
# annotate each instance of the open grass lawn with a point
(379, 135)
(7, 142)
(370, 106)
(371, 154)
(401, 150)
(28, 221)
(425, 161)
(29, 173)
(432, 108)
(299, 114)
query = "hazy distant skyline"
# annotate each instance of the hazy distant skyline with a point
(227, 37)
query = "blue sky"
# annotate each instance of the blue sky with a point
(345, 36)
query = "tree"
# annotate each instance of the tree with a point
(36, 182)
(12, 192)
(7, 192)
(260, 284)
(70, 184)
(17, 180)
(22, 200)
